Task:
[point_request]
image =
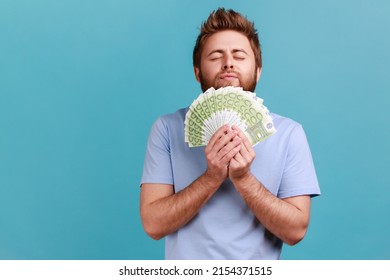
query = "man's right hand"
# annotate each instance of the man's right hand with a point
(222, 147)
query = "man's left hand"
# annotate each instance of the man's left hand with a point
(239, 166)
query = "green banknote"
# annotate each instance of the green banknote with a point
(227, 105)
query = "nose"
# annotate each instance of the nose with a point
(228, 63)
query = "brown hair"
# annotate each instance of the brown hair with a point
(221, 20)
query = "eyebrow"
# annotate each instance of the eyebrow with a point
(221, 51)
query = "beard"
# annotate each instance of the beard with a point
(248, 84)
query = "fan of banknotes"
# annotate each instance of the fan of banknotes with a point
(227, 105)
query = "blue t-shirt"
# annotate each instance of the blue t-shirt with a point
(225, 228)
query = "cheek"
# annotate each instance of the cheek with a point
(248, 69)
(209, 71)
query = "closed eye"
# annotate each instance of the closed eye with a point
(212, 58)
(214, 55)
(239, 54)
(239, 57)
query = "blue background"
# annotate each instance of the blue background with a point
(81, 82)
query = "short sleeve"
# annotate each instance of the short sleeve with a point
(299, 176)
(157, 164)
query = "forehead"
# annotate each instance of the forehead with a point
(227, 40)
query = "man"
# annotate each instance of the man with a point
(227, 200)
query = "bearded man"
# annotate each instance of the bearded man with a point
(227, 200)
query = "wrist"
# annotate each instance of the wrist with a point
(211, 181)
(244, 179)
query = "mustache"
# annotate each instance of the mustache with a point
(222, 74)
(228, 72)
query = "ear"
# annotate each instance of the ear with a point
(259, 69)
(197, 72)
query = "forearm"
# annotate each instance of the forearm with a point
(287, 221)
(167, 214)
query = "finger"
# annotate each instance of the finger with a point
(239, 157)
(226, 159)
(226, 150)
(225, 139)
(246, 143)
(216, 136)
(237, 160)
(247, 152)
